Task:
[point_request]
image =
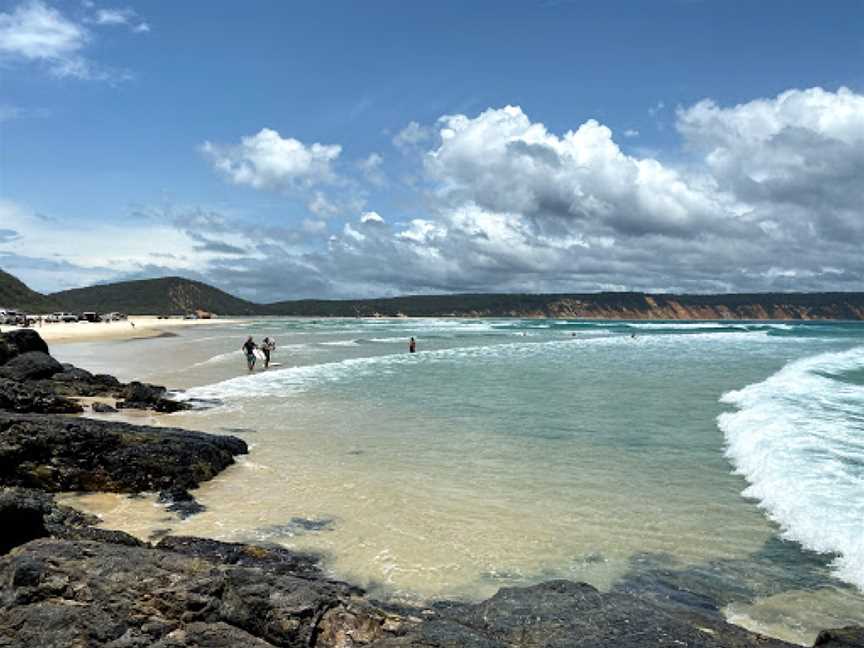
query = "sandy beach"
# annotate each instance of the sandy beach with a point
(142, 326)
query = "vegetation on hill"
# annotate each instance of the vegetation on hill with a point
(15, 295)
(177, 296)
(606, 305)
(164, 296)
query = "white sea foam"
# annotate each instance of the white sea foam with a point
(798, 438)
(219, 358)
(233, 356)
(691, 326)
(289, 380)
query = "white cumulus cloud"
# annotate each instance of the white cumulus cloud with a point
(266, 160)
(35, 32)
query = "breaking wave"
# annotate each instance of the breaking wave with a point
(798, 438)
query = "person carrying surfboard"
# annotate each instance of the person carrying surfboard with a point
(266, 347)
(248, 348)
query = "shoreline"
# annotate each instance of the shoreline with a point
(554, 612)
(136, 327)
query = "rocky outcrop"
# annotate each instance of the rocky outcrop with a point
(65, 583)
(82, 593)
(32, 365)
(192, 592)
(27, 514)
(14, 343)
(29, 397)
(563, 613)
(57, 453)
(74, 381)
(849, 637)
(137, 395)
(32, 381)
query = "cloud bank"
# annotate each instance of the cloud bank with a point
(765, 195)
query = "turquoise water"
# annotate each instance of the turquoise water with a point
(724, 460)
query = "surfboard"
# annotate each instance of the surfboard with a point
(275, 364)
(259, 354)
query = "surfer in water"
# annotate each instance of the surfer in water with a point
(248, 348)
(266, 347)
(412, 346)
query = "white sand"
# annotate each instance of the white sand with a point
(144, 326)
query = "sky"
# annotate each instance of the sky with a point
(281, 150)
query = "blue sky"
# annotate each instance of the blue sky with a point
(122, 150)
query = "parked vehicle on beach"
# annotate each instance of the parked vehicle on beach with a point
(114, 317)
(90, 316)
(14, 317)
(65, 317)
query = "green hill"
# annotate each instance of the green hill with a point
(177, 296)
(14, 294)
(164, 296)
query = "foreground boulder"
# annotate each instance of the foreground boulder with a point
(561, 614)
(191, 592)
(58, 453)
(82, 593)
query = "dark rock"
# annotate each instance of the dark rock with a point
(138, 392)
(103, 408)
(71, 373)
(275, 559)
(29, 397)
(139, 395)
(181, 502)
(78, 593)
(65, 453)
(561, 614)
(14, 343)
(32, 365)
(163, 405)
(848, 637)
(73, 381)
(27, 514)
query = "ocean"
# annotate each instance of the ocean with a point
(718, 464)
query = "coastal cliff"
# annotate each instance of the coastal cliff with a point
(177, 296)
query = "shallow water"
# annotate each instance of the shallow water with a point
(628, 455)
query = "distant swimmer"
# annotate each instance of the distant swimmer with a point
(266, 347)
(248, 348)
(412, 346)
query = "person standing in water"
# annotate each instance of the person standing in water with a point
(248, 348)
(412, 346)
(266, 347)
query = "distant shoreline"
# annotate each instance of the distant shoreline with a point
(145, 326)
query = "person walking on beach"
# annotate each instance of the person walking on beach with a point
(248, 348)
(412, 346)
(266, 347)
